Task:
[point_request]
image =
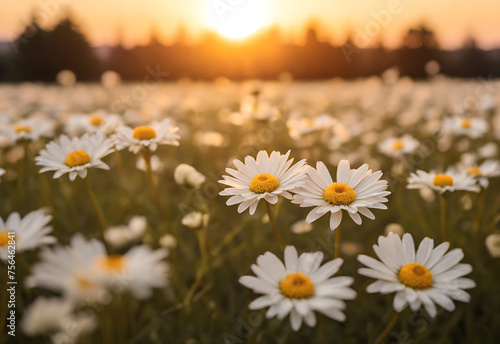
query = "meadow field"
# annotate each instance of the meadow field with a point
(142, 212)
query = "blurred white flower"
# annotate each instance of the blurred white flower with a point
(2, 172)
(187, 175)
(156, 164)
(350, 248)
(143, 268)
(470, 127)
(489, 150)
(110, 79)
(31, 129)
(481, 172)
(493, 245)
(195, 220)
(395, 147)
(168, 241)
(30, 232)
(301, 227)
(208, 138)
(259, 110)
(66, 78)
(98, 121)
(84, 269)
(74, 156)
(395, 228)
(448, 181)
(55, 315)
(120, 236)
(71, 270)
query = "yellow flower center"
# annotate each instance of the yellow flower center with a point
(19, 128)
(297, 286)
(95, 120)
(4, 238)
(442, 180)
(397, 145)
(112, 263)
(83, 283)
(263, 183)
(339, 194)
(474, 170)
(144, 133)
(77, 158)
(466, 123)
(415, 275)
(308, 122)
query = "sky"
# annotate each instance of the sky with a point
(107, 21)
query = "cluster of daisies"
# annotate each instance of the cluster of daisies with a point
(354, 191)
(74, 156)
(301, 285)
(84, 271)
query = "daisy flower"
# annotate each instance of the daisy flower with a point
(492, 243)
(266, 177)
(259, 110)
(422, 278)
(355, 191)
(155, 163)
(71, 270)
(31, 129)
(74, 156)
(186, 175)
(300, 287)
(396, 147)
(92, 123)
(443, 182)
(56, 316)
(489, 168)
(471, 127)
(159, 133)
(30, 231)
(120, 236)
(300, 126)
(83, 269)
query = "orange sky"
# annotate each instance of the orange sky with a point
(453, 20)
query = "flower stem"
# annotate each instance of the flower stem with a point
(272, 219)
(203, 267)
(443, 218)
(97, 208)
(152, 186)
(337, 243)
(388, 328)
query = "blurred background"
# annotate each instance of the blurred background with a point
(241, 39)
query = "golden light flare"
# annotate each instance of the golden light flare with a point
(237, 19)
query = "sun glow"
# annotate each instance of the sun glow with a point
(237, 18)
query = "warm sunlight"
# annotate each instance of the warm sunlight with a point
(237, 19)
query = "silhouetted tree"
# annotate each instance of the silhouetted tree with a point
(48, 52)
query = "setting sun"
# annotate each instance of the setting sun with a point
(237, 19)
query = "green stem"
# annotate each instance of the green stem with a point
(443, 218)
(388, 328)
(97, 208)
(204, 263)
(272, 220)
(337, 243)
(152, 186)
(481, 200)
